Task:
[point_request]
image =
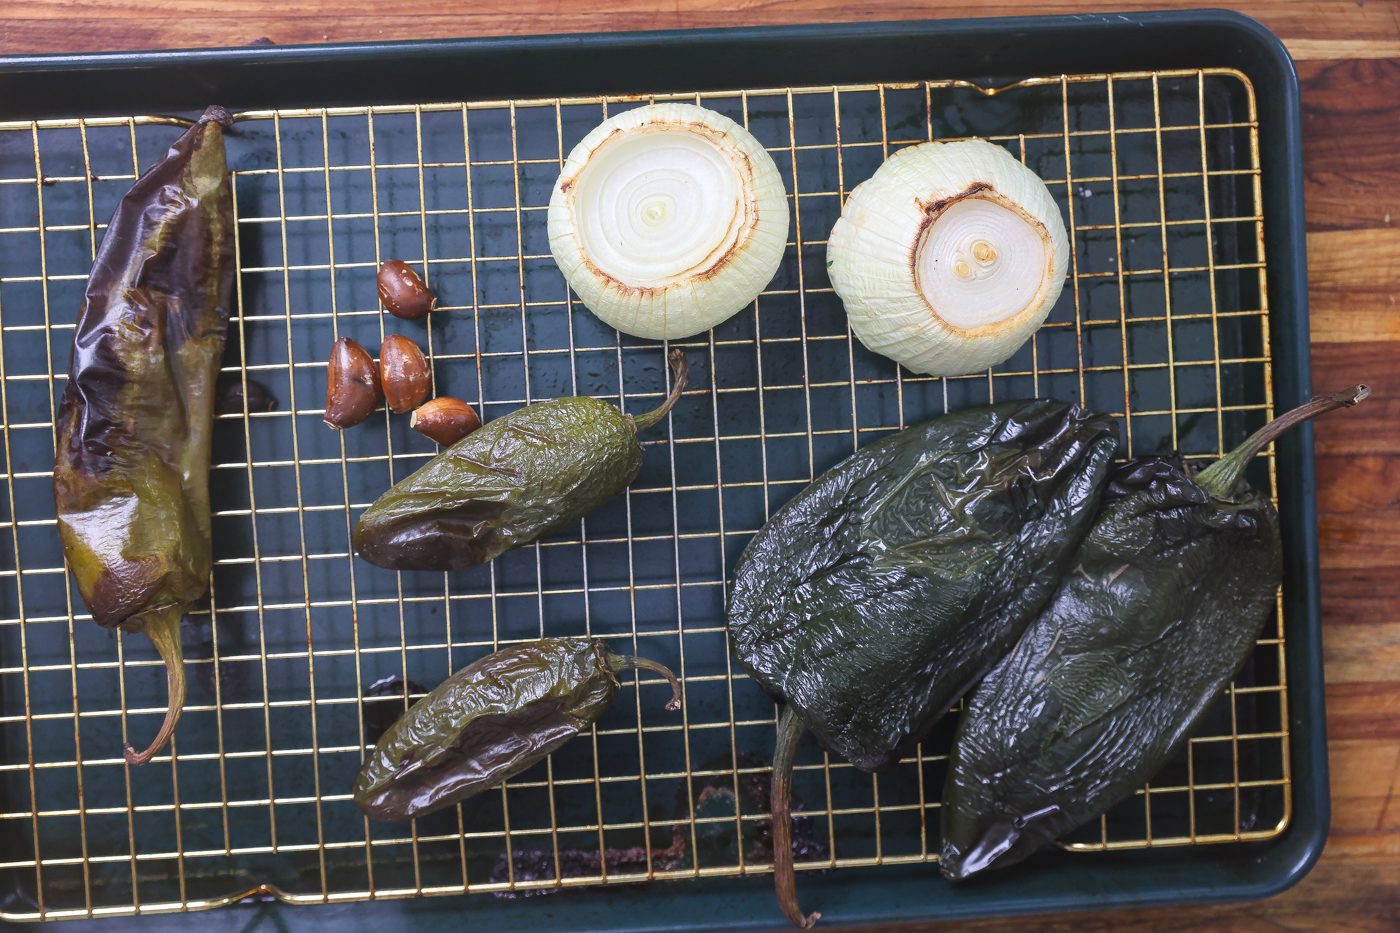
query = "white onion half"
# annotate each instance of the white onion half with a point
(668, 219)
(949, 257)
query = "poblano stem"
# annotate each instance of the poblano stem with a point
(1222, 477)
(790, 731)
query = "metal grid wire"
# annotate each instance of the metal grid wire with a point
(1164, 324)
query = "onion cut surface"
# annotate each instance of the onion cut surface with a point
(949, 257)
(668, 219)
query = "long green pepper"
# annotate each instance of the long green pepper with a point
(131, 465)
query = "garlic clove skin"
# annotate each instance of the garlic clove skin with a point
(949, 257)
(668, 219)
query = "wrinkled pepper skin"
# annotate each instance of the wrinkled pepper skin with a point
(131, 470)
(1163, 602)
(490, 721)
(884, 590)
(508, 483)
(877, 596)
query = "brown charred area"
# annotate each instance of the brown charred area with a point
(122, 590)
(934, 208)
(439, 541)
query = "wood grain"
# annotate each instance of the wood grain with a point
(1314, 30)
(1350, 141)
(1349, 65)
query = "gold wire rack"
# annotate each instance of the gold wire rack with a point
(1164, 323)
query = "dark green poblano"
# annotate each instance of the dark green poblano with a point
(1162, 603)
(884, 590)
(509, 482)
(490, 721)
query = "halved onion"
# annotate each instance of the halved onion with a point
(668, 219)
(949, 257)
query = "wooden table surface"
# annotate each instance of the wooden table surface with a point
(1348, 56)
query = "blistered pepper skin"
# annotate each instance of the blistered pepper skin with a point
(131, 468)
(501, 486)
(490, 721)
(1159, 609)
(507, 483)
(879, 594)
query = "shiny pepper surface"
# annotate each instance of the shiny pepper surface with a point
(509, 482)
(131, 467)
(1161, 605)
(880, 593)
(884, 590)
(490, 721)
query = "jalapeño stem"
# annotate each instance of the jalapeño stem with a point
(679, 372)
(618, 663)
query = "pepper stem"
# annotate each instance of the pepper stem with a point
(679, 372)
(790, 731)
(216, 114)
(162, 627)
(625, 662)
(1222, 477)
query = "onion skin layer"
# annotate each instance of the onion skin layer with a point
(873, 254)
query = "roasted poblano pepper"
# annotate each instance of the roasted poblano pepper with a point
(509, 482)
(131, 466)
(1163, 601)
(884, 590)
(490, 721)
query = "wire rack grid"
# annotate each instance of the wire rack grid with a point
(303, 651)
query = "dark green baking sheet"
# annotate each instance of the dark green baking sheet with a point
(992, 52)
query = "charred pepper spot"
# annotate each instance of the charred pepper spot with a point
(441, 539)
(489, 745)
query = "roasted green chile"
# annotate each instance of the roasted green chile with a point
(490, 721)
(509, 482)
(131, 470)
(884, 590)
(1164, 600)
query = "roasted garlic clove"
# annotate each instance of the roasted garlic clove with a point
(403, 292)
(445, 419)
(353, 390)
(404, 374)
